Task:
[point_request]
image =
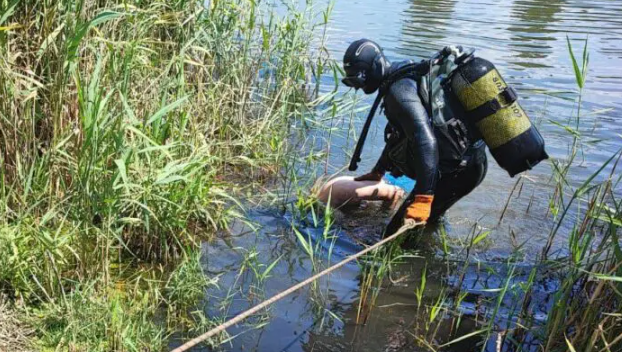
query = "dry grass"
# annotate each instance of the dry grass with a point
(15, 335)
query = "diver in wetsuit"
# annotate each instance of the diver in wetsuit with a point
(444, 158)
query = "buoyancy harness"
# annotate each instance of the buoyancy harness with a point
(467, 99)
(452, 135)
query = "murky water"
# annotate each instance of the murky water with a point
(526, 39)
(327, 317)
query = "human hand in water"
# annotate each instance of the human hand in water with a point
(370, 176)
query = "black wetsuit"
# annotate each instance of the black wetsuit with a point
(444, 159)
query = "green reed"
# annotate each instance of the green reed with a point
(129, 128)
(584, 314)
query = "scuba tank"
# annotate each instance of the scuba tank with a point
(482, 99)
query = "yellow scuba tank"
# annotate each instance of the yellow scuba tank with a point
(478, 94)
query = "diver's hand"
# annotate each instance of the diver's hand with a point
(370, 176)
(421, 208)
(398, 221)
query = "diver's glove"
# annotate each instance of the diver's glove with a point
(374, 175)
(421, 208)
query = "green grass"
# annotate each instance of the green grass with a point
(127, 131)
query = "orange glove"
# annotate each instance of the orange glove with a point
(420, 209)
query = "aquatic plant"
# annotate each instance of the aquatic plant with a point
(583, 315)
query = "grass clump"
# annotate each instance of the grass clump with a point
(90, 320)
(121, 126)
(584, 311)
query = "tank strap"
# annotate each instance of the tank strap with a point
(356, 156)
(507, 97)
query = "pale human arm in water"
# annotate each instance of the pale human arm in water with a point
(345, 190)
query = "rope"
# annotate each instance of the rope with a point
(240, 317)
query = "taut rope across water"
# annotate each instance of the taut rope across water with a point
(240, 317)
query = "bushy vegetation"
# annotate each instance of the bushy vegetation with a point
(129, 129)
(126, 130)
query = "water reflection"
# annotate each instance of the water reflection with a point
(323, 317)
(534, 21)
(425, 24)
(526, 39)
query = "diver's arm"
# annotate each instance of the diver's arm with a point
(406, 109)
(384, 162)
(382, 166)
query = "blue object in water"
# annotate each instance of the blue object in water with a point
(403, 182)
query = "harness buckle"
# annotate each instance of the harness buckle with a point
(509, 95)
